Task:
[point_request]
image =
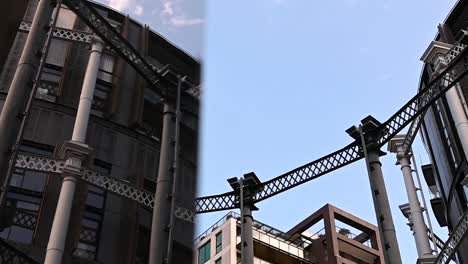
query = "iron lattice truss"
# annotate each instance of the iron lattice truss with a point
(25, 218)
(114, 185)
(351, 153)
(454, 241)
(415, 125)
(163, 81)
(119, 187)
(219, 202)
(10, 255)
(62, 33)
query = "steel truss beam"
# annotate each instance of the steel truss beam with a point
(122, 188)
(163, 82)
(458, 234)
(416, 124)
(351, 153)
(86, 38)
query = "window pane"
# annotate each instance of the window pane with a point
(219, 242)
(20, 234)
(28, 206)
(58, 52)
(66, 19)
(34, 181)
(16, 180)
(204, 253)
(95, 200)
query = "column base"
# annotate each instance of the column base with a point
(426, 260)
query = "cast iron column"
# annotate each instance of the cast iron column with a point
(455, 104)
(419, 227)
(75, 152)
(162, 199)
(368, 135)
(246, 187)
(17, 98)
(247, 251)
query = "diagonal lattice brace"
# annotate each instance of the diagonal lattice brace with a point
(427, 96)
(351, 153)
(214, 203)
(62, 33)
(25, 219)
(39, 163)
(162, 81)
(307, 172)
(416, 124)
(457, 236)
(117, 186)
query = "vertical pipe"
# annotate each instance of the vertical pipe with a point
(381, 204)
(419, 227)
(58, 235)
(425, 205)
(175, 171)
(160, 220)
(22, 83)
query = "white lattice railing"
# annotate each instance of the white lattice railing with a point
(114, 185)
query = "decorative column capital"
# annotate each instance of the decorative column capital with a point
(396, 146)
(75, 155)
(97, 44)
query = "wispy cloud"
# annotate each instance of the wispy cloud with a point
(173, 14)
(132, 6)
(120, 5)
(138, 10)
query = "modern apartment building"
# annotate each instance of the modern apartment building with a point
(330, 235)
(444, 130)
(111, 219)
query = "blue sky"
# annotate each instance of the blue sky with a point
(180, 21)
(284, 79)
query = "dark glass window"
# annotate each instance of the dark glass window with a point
(219, 242)
(49, 85)
(152, 114)
(218, 261)
(144, 234)
(103, 85)
(88, 244)
(25, 194)
(204, 253)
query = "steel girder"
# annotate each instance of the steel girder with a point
(458, 234)
(163, 82)
(416, 124)
(351, 153)
(219, 202)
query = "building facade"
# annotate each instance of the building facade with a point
(443, 128)
(124, 132)
(330, 235)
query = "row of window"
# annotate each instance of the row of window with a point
(204, 252)
(26, 192)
